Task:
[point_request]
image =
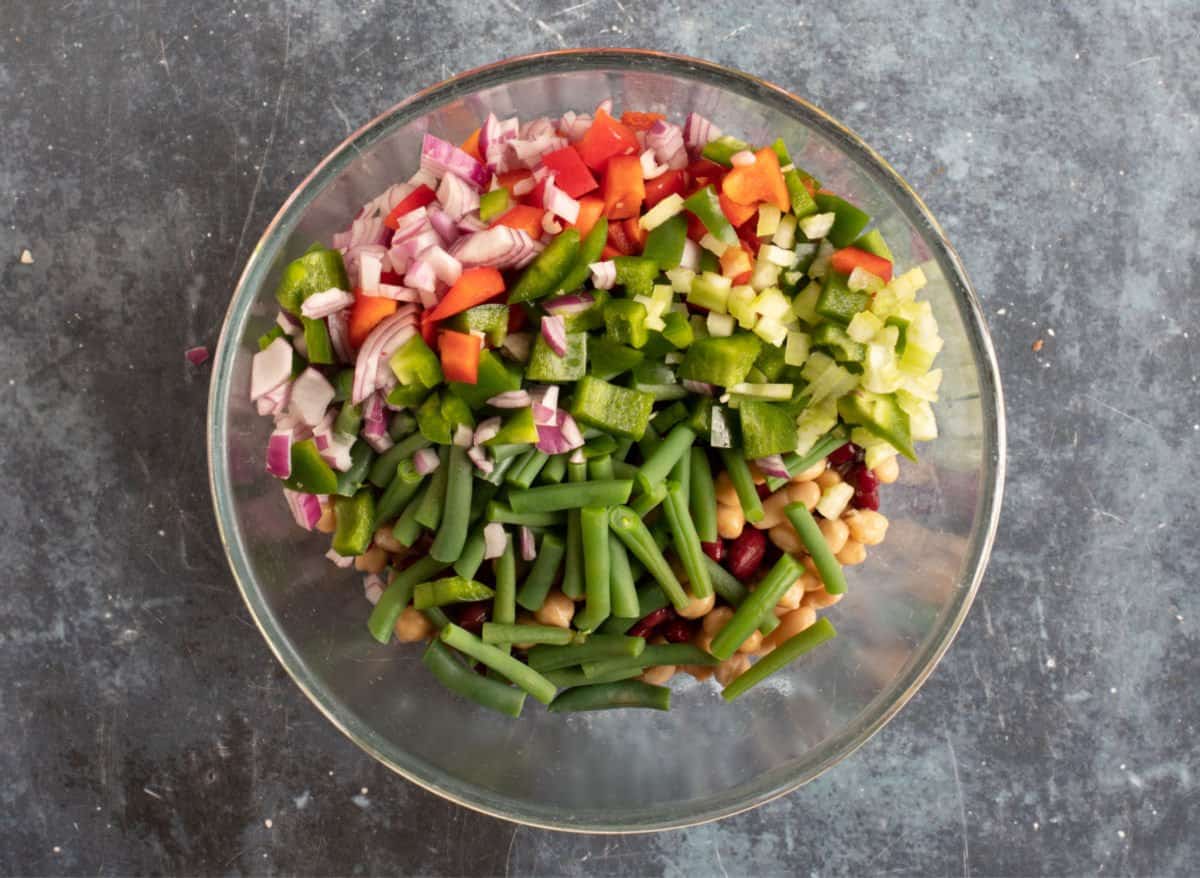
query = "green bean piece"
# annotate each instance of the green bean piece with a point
(593, 649)
(653, 656)
(681, 473)
(612, 696)
(761, 601)
(660, 461)
(399, 492)
(743, 483)
(460, 679)
(529, 470)
(633, 532)
(383, 470)
(555, 469)
(597, 573)
(788, 651)
(449, 590)
(648, 500)
(566, 678)
(497, 511)
(623, 470)
(507, 633)
(601, 468)
(437, 618)
(827, 565)
(572, 582)
(501, 469)
(623, 446)
(623, 590)
(797, 463)
(703, 499)
(471, 559)
(519, 464)
(504, 607)
(687, 543)
(541, 576)
(429, 514)
(407, 528)
(733, 593)
(650, 598)
(572, 495)
(397, 596)
(452, 535)
(500, 661)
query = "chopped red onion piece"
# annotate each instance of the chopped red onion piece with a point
(270, 368)
(463, 436)
(306, 508)
(412, 223)
(577, 456)
(575, 125)
(425, 461)
(342, 561)
(440, 157)
(773, 466)
(445, 267)
(420, 276)
(391, 332)
(279, 454)
(666, 139)
(493, 135)
(558, 202)
(698, 131)
(562, 436)
(545, 405)
(528, 544)
(364, 230)
(352, 258)
(524, 187)
(471, 223)
(486, 430)
(289, 324)
(650, 168)
(275, 401)
(574, 304)
(336, 450)
(386, 201)
(457, 196)
(538, 127)
(691, 255)
(372, 408)
(554, 331)
(330, 301)
(429, 298)
(311, 396)
(339, 335)
(370, 266)
(197, 355)
(571, 431)
(604, 274)
(495, 540)
(396, 294)
(742, 158)
(700, 387)
(550, 226)
(517, 345)
(527, 153)
(498, 247)
(510, 399)
(373, 587)
(478, 456)
(606, 105)
(445, 226)
(376, 436)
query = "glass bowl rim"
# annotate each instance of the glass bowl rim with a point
(583, 60)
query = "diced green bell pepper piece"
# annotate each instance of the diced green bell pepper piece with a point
(410, 396)
(607, 359)
(721, 361)
(781, 152)
(348, 421)
(625, 322)
(493, 378)
(491, 320)
(343, 384)
(587, 319)
(838, 302)
(517, 429)
(709, 261)
(616, 410)
(838, 344)
(873, 243)
(677, 330)
(317, 341)
(636, 275)
(849, 222)
(355, 522)
(770, 362)
(670, 416)
(664, 242)
(723, 149)
(439, 416)
(902, 338)
(767, 428)
(657, 346)
(310, 473)
(706, 205)
(545, 365)
(589, 252)
(494, 204)
(803, 204)
(543, 275)
(415, 363)
(314, 272)
(361, 458)
(879, 414)
(264, 340)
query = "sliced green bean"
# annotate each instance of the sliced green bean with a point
(500, 661)
(611, 696)
(653, 656)
(687, 543)
(529, 469)
(761, 601)
(648, 500)
(398, 494)
(622, 587)
(565, 678)
(623, 470)
(519, 464)
(433, 501)
(595, 648)
(458, 678)
(572, 582)
(497, 511)
(397, 596)
(504, 607)
(541, 576)
(622, 451)
(633, 532)
(383, 470)
(480, 498)
(664, 456)
(452, 534)
(597, 570)
(601, 469)
(827, 565)
(650, 598)
(555, 469)
(788, 651)
(437, 617)
(407, 528)
(797, 463)
(450, 590)
(509, 452)
(703, 498)
(743, 483)
(471, 559)
(501, 469)
(501, 632)
(572, 495)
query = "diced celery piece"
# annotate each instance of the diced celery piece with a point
(917, 359)
(804, 306)
(741, 298)
(661, 212)
(834, 500)
(864, 326)
(785, 235)
(798, 346)
(817, 225)
(681, 279)
(719, 325)
(778, 255)
(876, 449)
(880, 371)
(813, 423)
(770, 392)
(908, 284)
(711, 291)
(826, 378)
(922, 423)
(766, 274)
(769, 217)
(713, 245)
(820, 263)
(861, 279)
(771, 303)
(770, 330)
(924, 386)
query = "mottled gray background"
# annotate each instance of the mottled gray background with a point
(144, 146)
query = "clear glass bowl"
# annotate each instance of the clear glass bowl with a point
(632, 770)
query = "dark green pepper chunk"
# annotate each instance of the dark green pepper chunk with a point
(664, 242)
(706, 205)
(494, 204)
(616, 410)
(608, 359)
(874, 243)
(879, 414)
(439, 416)
(493, 378)
(314, 272)
(849, 222)
(723, 149)
(310, 473)
(361, 458)
(636, 275)
(355, 522)
(264, 340)
(721, 361)
(677, 330)
(625, 322)
(838, 344)
(317, 341)
(415, 363)
(491, 320)
(517, 429)
(766, 428)
(412, 395)
(837, 301)
(770, 362)
(544, 274)
(545, 365)
(802, 203)
(348, 421)
(589, 252)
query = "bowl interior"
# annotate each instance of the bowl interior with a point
(624, 770)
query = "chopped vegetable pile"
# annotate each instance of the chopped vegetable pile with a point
(589, 351)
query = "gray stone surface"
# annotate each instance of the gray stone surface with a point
(143, 148)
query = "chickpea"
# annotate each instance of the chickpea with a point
(751, 644)
(412, 626)
(704, 640)
(327, 523)
(658, 675)
(697, 607)
(807, 493)
(827, 479)
(867, 526)
(887, 471)
(732, 668)
(820, 599)
(835, 532)
(807, 475)
(525, 618)
(852, 553)
(700, 672)
(726, 494)
(558, 610)
(755, 473)
(773, 511)
(383, 537)
(731, 521)
(793, 596)
(716, 620)
(791, 625)
(811, 581)
(374, 560)
(785, 537)
(765, 648)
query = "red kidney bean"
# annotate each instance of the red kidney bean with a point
(472, 616)
(848, 453)
(716, 550)
(746, 553)
(763, 491)
(677, 631)
(645, 627)
(866, 489)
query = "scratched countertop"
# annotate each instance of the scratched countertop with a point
(143, 149)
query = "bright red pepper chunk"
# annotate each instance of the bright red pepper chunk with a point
(571, 175)
(419, 197)
(604, 139)
(669, 183)
(847, 259)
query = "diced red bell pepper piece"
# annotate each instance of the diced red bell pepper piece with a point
(509, 179)
(635, 233)
(517, 318)
(640, 121)
(624, 187)
(366, 313)
(471, 146)
(419, 197)
(696, 229)
(847, 259)
(525, 217)
(703, 172)
(571, 175)
(460, 356)
(668, 183)
(590, 210)
(604, 139)
(618, 239)
(473, 287)
(761, 181)
(735, 261)
(611, 252)
(737, 214)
